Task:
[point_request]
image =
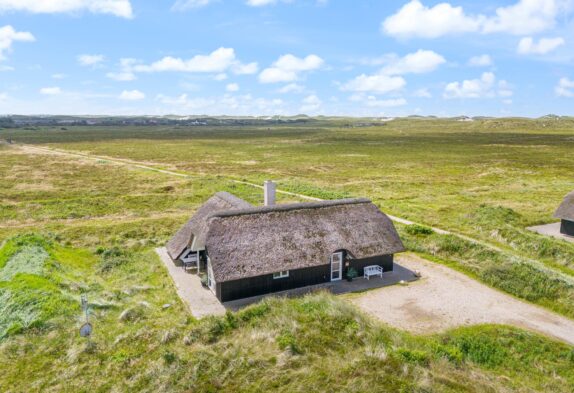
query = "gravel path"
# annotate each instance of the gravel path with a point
(444, 299)
(201, 302)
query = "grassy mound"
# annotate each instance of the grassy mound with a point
(31, 292)
(144, 339)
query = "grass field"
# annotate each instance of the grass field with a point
(89, 226)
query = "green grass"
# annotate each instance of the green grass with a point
(98, 224)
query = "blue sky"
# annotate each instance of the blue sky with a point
(266, 57)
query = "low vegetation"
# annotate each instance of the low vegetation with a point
(73, 226)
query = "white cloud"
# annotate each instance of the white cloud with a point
(422, 61)
(232, 87)
(59, 76)
(288, 67)
(121, 76)
(218, 61)
(8, 36)
(259, 3)
(311, 104)
(375, 83)
(183, 5)
(121, 8)
(389, 103)
(220, 77)
(524, 17)
(527, 45)
(126, 72)
(245, 69)
(422, 93)
(565, 88)
(51, 91)
(484, 87)
(416, 20)
(90, 60)
(291, 88)
(131, 95)
(480, 61)
(227, 104)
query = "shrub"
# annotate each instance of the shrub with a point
(416, 229)
(287, 341)
(414, 356)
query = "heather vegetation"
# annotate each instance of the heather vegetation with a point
(71, 226)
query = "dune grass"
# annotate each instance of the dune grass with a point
(98, 224)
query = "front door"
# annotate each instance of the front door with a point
(336, 266)
(210, 280)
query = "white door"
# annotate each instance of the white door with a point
(336, 266)
(210, 280)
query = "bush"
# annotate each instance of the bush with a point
(286, 341)
(416, 229)
(414, 356)
(111, 258)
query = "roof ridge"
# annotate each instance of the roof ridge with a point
(289, 207)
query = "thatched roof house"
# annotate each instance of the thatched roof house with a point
(263, 240)
(192, 235)
(565, 213)
(249, 251)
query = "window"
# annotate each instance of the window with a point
(283, 274)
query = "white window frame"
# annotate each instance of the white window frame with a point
(339, 255)
(281, 274)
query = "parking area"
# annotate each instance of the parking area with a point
(444, 298)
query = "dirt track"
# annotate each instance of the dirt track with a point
(445, 299)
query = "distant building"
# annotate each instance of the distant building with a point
(249, 251)
(565, 213)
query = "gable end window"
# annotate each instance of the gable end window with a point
(282, 274)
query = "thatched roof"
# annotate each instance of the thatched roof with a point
(196, 227)
(264, 240)
(566, 209)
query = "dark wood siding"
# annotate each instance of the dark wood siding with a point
(254, 286)
(386, 261)
(567, 227)
(260, 285)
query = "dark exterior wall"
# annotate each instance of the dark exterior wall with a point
(567, 227)
(386, 261)
(260, 285)
(254, 286)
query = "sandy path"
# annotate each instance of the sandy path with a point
(445, 299)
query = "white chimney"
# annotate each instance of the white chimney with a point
(269, 193)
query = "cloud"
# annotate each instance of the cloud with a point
(121, 8)
(528, 46)
(288, 67)
(126, 72)
(90, 60)
(484, 87)
(8, 36)
(416, 20)
(565, 88)
(422, 93)
(422, 61)
(260, 3)
(131, 95)
(524, 17)
(232, 87)
(291, 88)
(480, 61)
(375, 83)
(311, 104)
(184, 5)
(51, 91)
(227, 104)
(218, 61)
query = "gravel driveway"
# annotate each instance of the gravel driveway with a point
(444, 299)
